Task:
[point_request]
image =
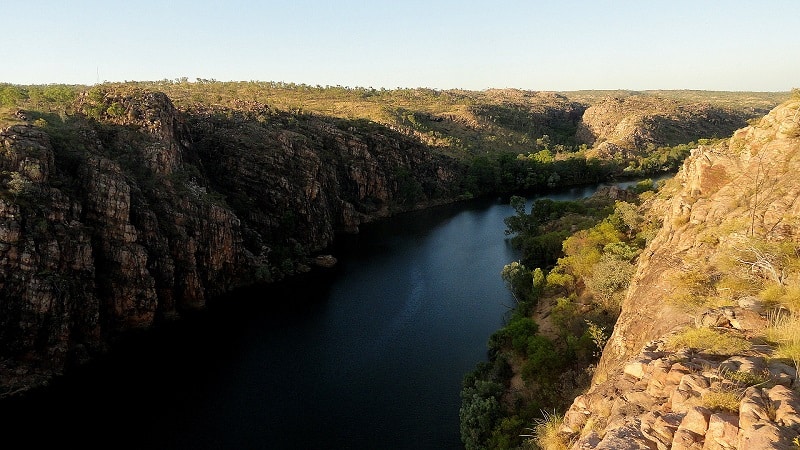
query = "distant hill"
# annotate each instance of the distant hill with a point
(464, 123)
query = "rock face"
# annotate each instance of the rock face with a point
(134, 212)
(621, 126)
(647, 397)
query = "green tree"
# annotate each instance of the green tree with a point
(11, 95)
(609, 276)
(480, 411)
(519, 280)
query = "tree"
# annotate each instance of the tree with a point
(521, 222)
(11, 95)
(609, 276)
(480, 410)
(519, 280)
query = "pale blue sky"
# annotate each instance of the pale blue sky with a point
(538, 45)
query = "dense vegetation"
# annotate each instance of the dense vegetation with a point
(568, 287)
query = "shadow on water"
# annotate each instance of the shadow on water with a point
(155, 380)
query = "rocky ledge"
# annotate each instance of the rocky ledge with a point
(681, 400)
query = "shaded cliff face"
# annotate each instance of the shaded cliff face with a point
(136, 212)
(644, 394)
(314, 176)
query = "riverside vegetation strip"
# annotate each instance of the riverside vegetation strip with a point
(126, 204)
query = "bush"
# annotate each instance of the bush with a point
(609, 276)
(519, 279)
(480, 410)
(507, 433)
(544, 361)
(519, 331)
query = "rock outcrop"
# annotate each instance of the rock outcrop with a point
(621, 127)
(644, 396)
(133, 212)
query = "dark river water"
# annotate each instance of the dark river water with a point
(369, 355)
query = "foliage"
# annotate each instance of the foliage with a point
(784, 333)
(507, 433)
(543, 360)
(598, 335)
(409, 189)
(611, 274)
(518, 332)
(518, 278)
(745, 378)
(661, 159)
(480, 407)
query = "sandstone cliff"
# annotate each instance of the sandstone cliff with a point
(728, 203)
(131, 211)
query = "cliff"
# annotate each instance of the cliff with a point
(725, 256)
(131, 211)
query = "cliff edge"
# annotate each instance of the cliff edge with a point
(697, 324)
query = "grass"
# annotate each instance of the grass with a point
(546, 433)
(722, 399)
(784, 333)
(710, 340)
(786, 296)
(745, 378)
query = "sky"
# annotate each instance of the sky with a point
(554, 45)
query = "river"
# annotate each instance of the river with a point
(369, 355)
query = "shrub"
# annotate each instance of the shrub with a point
(543, 360)
(745, 378)
(519, 331)
(519, 280)
(609, 276)
(564, 313)
(507, 434)
(556, 278)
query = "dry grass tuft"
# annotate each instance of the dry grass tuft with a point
(546, 434)
(723, 399)
(709, 340)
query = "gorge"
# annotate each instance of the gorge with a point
(122, 210)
